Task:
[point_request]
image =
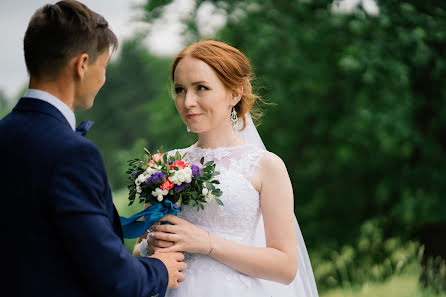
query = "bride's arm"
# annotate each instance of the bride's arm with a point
(278, 260)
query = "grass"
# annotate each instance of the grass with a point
(405, 285)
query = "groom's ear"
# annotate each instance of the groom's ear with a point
(80, 65)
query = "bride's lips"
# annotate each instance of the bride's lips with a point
(192, 116)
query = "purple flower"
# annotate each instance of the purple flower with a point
(154, 178)
(180, 187)
(196, 171)
(176, 206)
(134, 173)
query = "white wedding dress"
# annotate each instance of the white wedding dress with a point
(239, 220)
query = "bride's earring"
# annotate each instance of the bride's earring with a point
(188, 130)
(234, 118)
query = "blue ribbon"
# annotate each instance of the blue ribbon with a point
(133, 228)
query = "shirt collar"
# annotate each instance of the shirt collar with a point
(54, 101)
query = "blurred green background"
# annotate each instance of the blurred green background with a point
(359, 117)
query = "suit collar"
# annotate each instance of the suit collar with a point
(36, 105)
(56, 102)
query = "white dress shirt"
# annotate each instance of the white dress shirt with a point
(54, 101)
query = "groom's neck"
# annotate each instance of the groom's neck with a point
(59, 87)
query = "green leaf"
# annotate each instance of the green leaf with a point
(219, 202)
(202, 160)
(177, 156)
(217, 192)
(209, 163)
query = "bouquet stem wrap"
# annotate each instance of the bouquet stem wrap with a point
(132, 228)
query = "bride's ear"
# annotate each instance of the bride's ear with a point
(236, 96)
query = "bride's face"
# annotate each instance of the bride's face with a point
(202, 100)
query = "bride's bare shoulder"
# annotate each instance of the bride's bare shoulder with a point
(270, 162)
(270, 165)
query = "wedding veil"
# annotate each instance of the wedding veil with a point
(304, 284)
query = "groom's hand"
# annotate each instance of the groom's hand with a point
(175, 266)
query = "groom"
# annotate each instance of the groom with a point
(61, 231)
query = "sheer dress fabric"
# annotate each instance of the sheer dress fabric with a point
(239, 220)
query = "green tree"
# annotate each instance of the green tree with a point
(4, 104)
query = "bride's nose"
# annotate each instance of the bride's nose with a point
(190, 100)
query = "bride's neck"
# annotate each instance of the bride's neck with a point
(215, 138)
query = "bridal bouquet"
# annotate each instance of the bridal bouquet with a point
(167, 182)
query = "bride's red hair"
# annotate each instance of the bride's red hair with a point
(230, 65)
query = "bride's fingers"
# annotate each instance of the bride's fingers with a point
(171, 219)
(173, 249)
(165, 236)
(165, 228)
(162, 243)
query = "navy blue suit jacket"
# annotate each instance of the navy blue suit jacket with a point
(62, 232)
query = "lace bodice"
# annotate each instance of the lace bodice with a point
(237, 219)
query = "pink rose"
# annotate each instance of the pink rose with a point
(167, 185)
(180, 164)
(158, 157)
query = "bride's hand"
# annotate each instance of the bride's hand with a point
(186, 237)
(153, 243)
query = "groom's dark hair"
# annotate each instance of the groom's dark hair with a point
(58, 32)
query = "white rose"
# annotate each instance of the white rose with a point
(141, 178)
(174, 179)
(160, 198)
(138, 189)
(150, 171)
(187, 171)
(181, 176)
(205, 191)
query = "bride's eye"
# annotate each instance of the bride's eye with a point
(179, 90)
(202, 88)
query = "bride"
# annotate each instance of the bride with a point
(252, 245)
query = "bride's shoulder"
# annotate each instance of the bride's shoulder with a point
(271, 163)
